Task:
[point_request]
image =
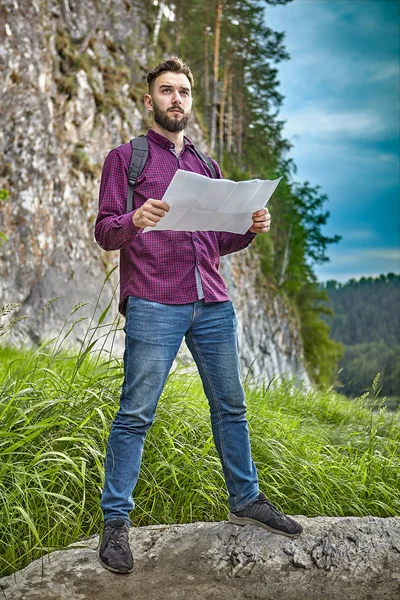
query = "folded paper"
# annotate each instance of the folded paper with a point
(199, 203)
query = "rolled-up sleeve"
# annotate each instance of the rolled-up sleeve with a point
(233, 242)
(114, 227)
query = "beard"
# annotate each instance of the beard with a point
(170, 123)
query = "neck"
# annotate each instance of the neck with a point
(175, 138)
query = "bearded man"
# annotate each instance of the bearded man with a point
(170, 289)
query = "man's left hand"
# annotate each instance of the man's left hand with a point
(261, 221)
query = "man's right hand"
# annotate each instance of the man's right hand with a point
(149, 213)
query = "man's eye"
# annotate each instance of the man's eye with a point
(184, 92)
(166, 90)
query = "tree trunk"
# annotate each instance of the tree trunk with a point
(239, 135)
(286, 256)
(206, 76)
(158, 24)
(230, 115)
(217, 37)
(222, 109)
(178, 26)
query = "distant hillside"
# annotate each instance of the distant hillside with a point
(366, 310)
(367, 321)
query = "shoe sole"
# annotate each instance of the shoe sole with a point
(247, 521)
(119, 571)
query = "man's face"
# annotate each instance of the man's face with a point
(170, 101)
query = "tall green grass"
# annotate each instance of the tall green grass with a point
(317, 453)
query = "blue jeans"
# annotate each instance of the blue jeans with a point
(154, 333)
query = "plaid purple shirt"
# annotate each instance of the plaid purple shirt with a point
(160, 266)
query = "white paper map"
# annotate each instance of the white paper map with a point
(199, 203)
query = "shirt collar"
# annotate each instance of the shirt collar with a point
(164, 142)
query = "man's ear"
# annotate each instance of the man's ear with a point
(148, 102)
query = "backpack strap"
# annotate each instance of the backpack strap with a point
(207, 161)
(140, 152)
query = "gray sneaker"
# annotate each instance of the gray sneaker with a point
(264, 514)
(115, 553)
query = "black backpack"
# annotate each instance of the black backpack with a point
(140, 152)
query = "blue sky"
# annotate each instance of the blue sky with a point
(341, 108)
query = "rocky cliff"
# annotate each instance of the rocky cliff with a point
(71, 81)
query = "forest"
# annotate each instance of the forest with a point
(367, 322)
(234, 56)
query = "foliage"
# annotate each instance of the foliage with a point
(361, 361)
(321, 352)
(82, 163)
(4, 194)
(317, 453)
(366, 310)
(367, 321)
(309, 203)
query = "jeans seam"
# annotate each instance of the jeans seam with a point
(127, 353)
(217, 404)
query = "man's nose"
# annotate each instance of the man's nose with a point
(176, 98)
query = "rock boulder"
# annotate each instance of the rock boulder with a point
(334, 559)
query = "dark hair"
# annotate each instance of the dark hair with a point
(173, 64)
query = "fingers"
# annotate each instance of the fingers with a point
(261, 214)
(260, 229)
(158, 204)
(150, 213)
(261, 221)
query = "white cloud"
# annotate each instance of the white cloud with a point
(344, 59)
(345, 167)
(359, 234)
(341, 91)
(315, 121)
(383, 253)
(347, 256)
(379, 72)
(349, 263)
(387, 158)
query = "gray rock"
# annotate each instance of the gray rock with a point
(270, 344)
(334, 559)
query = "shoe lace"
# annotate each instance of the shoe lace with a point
(117, 538)
(278, 515)
(270, 505)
